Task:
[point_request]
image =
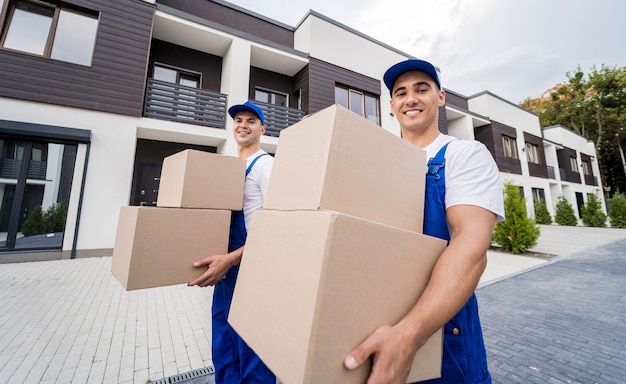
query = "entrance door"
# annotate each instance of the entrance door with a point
(148, 188)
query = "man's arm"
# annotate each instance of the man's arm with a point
(217, 267)
(453, 280)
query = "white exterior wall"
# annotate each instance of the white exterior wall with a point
(330, 42)
(109, 172)
(570, 139)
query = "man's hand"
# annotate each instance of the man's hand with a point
(393, 353)
(217, 266)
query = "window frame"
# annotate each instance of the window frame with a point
(573, 164)
(349, 91)
(509, 150)
(532, 153)
(7, 12)
(272, 92)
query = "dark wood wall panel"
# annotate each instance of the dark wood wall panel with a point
(235, 17)
(534, 169)
(115, 81)
(505, 164)
(484, 134)
(564, 155)
(443, 120)
(272, 81)
(301, 82)
(210, 66)
(456, 100)
(322, 79)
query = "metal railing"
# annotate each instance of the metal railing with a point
(11, 169)
(551, 174)
(173, 102)
(278, 118)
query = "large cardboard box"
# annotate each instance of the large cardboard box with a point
(340, 161)
(157, 246)
(197, 179)
(314, 284)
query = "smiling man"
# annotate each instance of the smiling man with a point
(234, 361)
(462, 204)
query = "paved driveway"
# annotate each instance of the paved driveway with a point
(562, 323)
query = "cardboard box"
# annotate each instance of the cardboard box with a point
(197, 179)
(157, 246)
(340, 161)
(304, 299)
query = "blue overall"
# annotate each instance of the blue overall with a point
(464, 356)
(234, 361)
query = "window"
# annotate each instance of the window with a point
(573, 164)
(45, 29)
(538, 194)
(532, 153)
(509, 146)
(586, 168)
(271, 97)
(358, 102)
(176, 76)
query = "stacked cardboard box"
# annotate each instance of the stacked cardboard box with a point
(337, 250)
(156, 246)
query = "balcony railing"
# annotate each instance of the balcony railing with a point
(11, 169)
(278, 118)
(173, 102)
(551, 174)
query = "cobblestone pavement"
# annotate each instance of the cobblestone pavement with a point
(562, 323)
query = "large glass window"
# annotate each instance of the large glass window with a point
(50, 30)
(358, 102)
(510, 147)
(586, 168)
(573, 164)
(271, 97)
(532, 153)
(35, 184)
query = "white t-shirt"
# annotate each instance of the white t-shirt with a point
(472, 176)
(256, 184)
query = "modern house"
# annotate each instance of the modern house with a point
(95, 93)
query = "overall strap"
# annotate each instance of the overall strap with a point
(437, 162)
(254, 161)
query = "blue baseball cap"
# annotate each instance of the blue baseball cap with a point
(247, 106)
(396, 70)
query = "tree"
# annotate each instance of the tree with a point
(564, 214)
(594, 106)
(542, 215)
(617, 210)
(517, 233)
(592, 212)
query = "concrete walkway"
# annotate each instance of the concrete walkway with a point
(69, 321)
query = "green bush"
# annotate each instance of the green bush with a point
(34, 224)
(542, 215)
(617, 210)
(54, 217)
(564, 214)
(39, 222)
(517, 233)
(592, 212)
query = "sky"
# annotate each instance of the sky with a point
(516, 49)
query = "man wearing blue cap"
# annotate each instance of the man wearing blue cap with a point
(462, 204)
(234, 361)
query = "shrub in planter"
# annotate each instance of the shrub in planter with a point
(592, 212)
(542, 215)
(564, 212)
(517, 233)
